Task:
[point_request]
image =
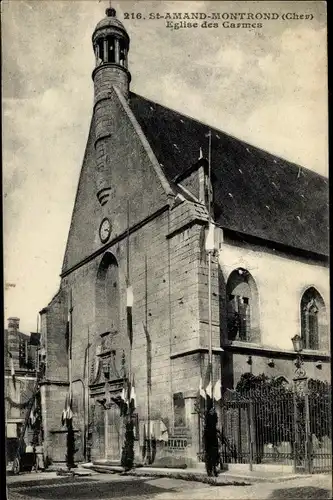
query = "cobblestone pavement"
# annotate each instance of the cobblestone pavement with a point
(109, 486)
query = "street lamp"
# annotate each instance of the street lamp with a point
(301, 410)
(298, 348)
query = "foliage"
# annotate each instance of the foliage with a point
(320, 408)
(127, 456)
(21, 406)
(210, 439)
(38, 422)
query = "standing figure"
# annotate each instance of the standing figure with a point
(211, 442)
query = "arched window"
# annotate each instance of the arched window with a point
(242, 307)
(107, 295)
(313, 319)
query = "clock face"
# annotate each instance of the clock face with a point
(105, 230)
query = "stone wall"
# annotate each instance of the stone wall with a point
(171, 310)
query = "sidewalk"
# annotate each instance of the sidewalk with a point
(189, 474)
(224, 477)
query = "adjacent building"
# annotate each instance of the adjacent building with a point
(140, 217)
(21, 358)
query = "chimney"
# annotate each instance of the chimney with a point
(13, 325)
(12, 337)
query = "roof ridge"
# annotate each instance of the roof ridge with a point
(273, 156)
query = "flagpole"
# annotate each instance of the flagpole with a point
(70, 444)
(86, 396)
(210, 349)
(70, 345)
(129, 326)
(148, 381)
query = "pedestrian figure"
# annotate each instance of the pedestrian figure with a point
(30, 448)
(40, 465)
(212, 457)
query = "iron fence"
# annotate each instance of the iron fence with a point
(287, 426)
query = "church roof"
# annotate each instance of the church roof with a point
(255, 192)
(18, 334)
(109, 22)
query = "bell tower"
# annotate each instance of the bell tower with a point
(111, 44)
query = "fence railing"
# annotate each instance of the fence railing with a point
(278, 425)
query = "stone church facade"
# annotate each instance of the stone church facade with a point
(141, 214)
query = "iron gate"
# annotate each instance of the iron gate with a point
(236, 443)
(277, 426)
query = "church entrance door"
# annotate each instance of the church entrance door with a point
(114, 433)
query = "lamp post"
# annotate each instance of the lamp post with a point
(300, 374)
(301, 393)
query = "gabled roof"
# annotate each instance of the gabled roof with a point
(19, 335)
(255, 193)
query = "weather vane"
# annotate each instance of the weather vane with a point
(109, 3)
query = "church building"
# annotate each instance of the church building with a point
(142, 301)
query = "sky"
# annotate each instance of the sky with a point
(266, 85)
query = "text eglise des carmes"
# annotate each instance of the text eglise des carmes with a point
(226, 19)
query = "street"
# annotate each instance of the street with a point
(115, 486)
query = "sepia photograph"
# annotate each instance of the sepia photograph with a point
(166, 250)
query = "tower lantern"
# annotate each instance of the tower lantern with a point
(111, 44)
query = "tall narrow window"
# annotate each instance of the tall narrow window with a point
(242, 307)
(313, 319)
(107, 295)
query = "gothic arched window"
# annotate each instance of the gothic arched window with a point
(242, 307)
(313, 319)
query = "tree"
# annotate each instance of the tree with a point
(320, 408)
